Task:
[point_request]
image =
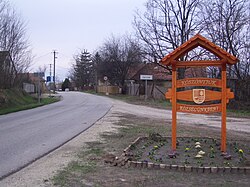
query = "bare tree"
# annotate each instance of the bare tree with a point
(6, 70)
(117, 55)
(167, 24)
(13, 38)
(227, 23)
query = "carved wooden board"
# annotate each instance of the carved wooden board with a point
(211, 95)
(187, 95)
(199, 109)
(199, 82)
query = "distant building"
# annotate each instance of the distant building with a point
(162, 79)
(161, 76)
(156, 87)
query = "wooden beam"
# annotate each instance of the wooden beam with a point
(174, 111)
(224, 110)
(199, 63)
(210, 95)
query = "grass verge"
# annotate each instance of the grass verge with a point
(238, 113)
(15, 100)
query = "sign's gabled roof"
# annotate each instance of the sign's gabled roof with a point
(194, 42)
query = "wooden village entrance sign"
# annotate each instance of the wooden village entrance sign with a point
(199, 96)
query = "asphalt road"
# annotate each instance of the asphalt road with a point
(28, 135)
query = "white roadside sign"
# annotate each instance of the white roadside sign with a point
(146, 77)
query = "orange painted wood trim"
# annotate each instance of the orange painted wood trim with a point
(194, 42)
(199, 82)
(230, 95)
(199, 63)
(168, 94)
(199, 109)
(174, 110)
(223, 110)
(217, 51)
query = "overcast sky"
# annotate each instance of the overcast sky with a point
(70, 25)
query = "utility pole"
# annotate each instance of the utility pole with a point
(50, 67)
(54, 52)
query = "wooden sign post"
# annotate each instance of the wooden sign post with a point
(199, 96)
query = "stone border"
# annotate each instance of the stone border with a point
(150, 165)
(126, 160)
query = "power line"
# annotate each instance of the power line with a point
(37, 58)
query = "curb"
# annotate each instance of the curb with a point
(149, 165)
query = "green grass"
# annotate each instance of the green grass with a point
(238, 113)
(95, 151)
(62, 176)
(87, 163)
(146, 130)
(67, 176)
(17, 100)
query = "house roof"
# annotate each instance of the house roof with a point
(194, 42)
(158, 72)
(133, 70)
(195, 72)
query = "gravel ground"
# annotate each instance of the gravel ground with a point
(40, 172)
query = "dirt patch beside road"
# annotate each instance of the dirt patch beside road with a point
(112, 134)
